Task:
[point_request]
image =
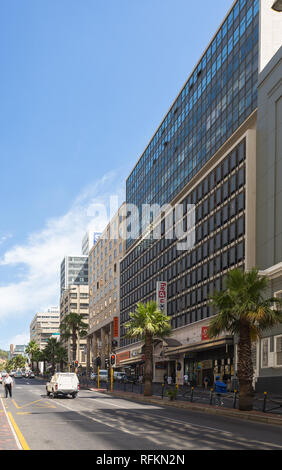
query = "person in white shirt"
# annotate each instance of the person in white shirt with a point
(8, 384)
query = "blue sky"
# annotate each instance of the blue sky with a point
(84, 85)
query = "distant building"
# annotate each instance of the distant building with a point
(74, 271)
(18, 350)
(75, 299)
(88, 241)
(45, 325)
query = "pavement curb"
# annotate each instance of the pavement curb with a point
(249, 416)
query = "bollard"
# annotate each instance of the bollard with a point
(211, 396)
(132, 387)
(192, 393)
(163, 386)
(264, 402)
(235, 399)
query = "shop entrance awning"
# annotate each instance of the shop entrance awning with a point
(203, 345)
(132, 361)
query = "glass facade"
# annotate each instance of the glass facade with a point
(218, 96)
(193, 275)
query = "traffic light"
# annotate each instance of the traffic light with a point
(76, 363)
(98, 361)
(107, 364)
(113, 359)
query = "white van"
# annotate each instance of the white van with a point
(63, 383)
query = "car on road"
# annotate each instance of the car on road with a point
(1, 378)
(119, 376)
(129, 379)
(63, 383)
(18, 375)
(12, 373)
(31, 375)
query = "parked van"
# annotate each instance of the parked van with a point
(63, 383)
(103, 375)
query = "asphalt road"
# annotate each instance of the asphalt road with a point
(94, 421)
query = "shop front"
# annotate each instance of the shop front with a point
(205, 360)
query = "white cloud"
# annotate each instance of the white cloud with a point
(21, 338)
(38, 285)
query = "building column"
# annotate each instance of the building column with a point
(103, 352)
(94, 350)
(88, 360)
(110, 337)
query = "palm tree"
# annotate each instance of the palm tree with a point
(37, 357)
(73, 327)
(148, 323)
(50, 353)
(62, 356)
(244, 311)
(31, 349)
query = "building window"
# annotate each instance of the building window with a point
(278, 346)
(264, 352)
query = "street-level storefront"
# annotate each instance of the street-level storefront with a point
(131, 362)
(209, 363)
(203, 360)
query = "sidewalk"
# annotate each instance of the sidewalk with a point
(7, 437)
(257, 416)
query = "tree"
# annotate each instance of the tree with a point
(50, 353)
(148, 323)
(73, 327)
(37, 357)
(62, 356)
(19, 361)
(244, 311)
(31, 349)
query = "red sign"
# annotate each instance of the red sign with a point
(205, 333)
(162, 295)
(116, 332)
(122, 356)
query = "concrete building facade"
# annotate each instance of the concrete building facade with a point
(269, 213)
(75, 299)
(210, 152)
(104, 290)
(45, 325)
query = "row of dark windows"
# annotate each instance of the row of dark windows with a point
(207, 185)
(223, 261)
(226, 236)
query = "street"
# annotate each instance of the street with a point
(94, 421)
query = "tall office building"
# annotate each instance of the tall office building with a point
(203, 154)
(74, 271)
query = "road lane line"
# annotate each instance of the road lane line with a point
(18, 432)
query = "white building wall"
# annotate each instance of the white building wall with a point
(270, 32)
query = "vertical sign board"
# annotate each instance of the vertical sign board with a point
(115, 332)
(162, 296)
(205, 333)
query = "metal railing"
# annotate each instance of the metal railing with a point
(267, 403)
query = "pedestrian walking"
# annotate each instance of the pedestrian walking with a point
(206, 382)
(220, 389)
(8, 384)
(186, 379)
